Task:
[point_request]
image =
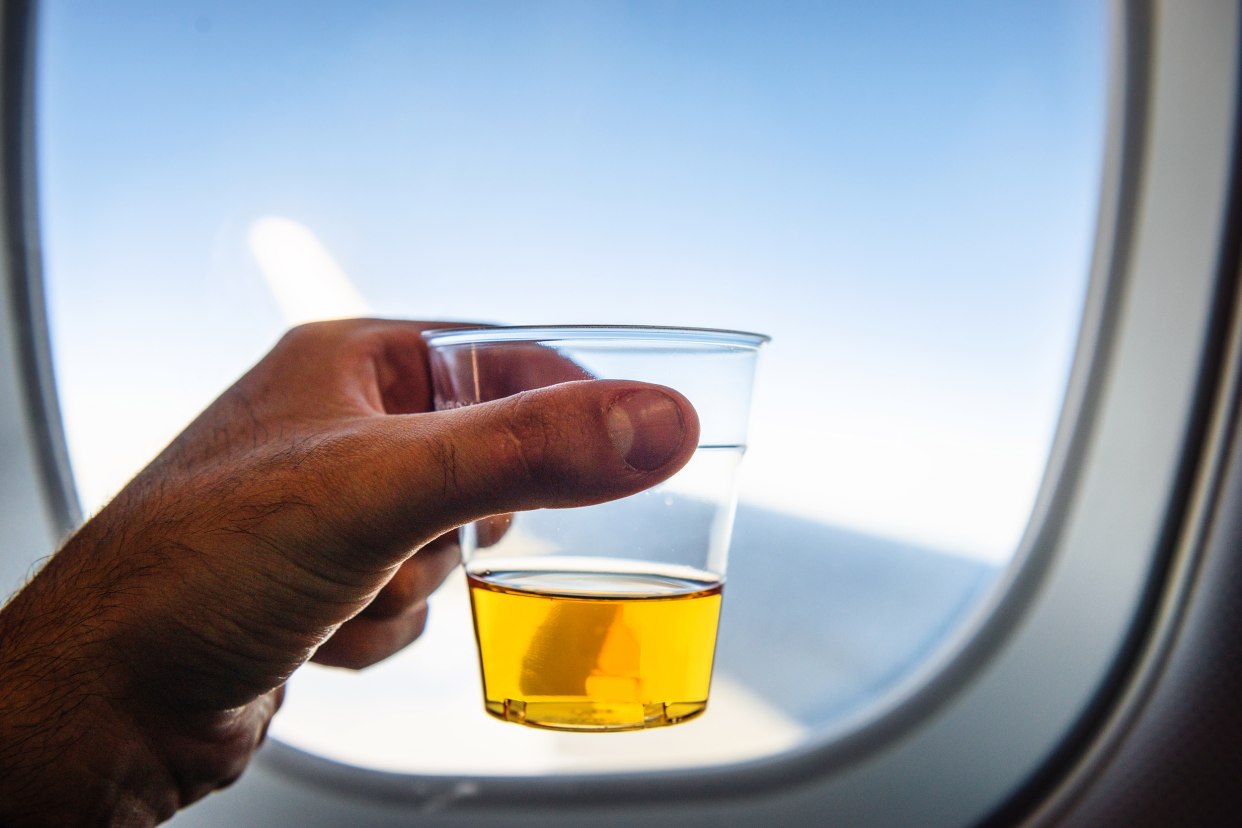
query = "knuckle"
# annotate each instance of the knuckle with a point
(443, 454)
(532, 433)
(317, 334)
(417, 623)
(302, 334)
(397, 596)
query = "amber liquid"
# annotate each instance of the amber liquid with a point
(594, 651)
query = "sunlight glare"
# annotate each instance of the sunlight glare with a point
(305, 280)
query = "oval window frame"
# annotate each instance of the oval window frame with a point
(1040, 665)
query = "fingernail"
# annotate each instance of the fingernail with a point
(646, 427)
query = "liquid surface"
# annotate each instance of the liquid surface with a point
(574, 650)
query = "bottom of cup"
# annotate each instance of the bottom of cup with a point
(594, 717)
(594, 650)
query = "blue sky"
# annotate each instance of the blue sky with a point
(901, 194)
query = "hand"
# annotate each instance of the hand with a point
(140, 668)
(398, 614)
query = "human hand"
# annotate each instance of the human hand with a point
(397, 615)
(139, 669)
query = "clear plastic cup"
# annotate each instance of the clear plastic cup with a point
(604, 617)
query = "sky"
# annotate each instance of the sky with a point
(902, 195)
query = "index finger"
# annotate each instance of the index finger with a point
(492, 371)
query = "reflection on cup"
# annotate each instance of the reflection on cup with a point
(604, 617)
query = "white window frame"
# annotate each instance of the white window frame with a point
(1034, 676)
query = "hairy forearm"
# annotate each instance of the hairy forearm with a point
(97, 724)
(67, 752)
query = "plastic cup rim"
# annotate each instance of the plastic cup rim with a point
(480, 334)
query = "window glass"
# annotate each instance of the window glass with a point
(902, 194)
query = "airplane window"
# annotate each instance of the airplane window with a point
(902, 195)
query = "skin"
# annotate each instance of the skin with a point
(302, 516)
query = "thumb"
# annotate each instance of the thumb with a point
(572, 444)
